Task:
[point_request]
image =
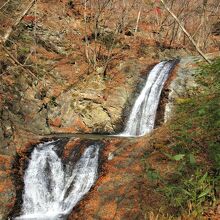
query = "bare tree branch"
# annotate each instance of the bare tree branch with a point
(138, 19)
(15, 61)
(8, 32)
(4, 4)
(186, 32)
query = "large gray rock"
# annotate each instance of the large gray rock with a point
(183, 83)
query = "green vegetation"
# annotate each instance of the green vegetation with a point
(109, 40)
(193, 149)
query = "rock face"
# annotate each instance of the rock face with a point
(183, 83)
(86, 108)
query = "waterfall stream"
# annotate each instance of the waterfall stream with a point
(142, 117)
(52, 189)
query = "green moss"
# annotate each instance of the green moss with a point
(24, 50)
(26, 38)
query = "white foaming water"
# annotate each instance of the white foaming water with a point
(142, 117)
(50, 190)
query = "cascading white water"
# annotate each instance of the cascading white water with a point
(142, 117)
(50, 190)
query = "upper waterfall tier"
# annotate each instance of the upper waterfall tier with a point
(142, 117)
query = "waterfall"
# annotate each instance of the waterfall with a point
(142, 117)
(51, 189)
